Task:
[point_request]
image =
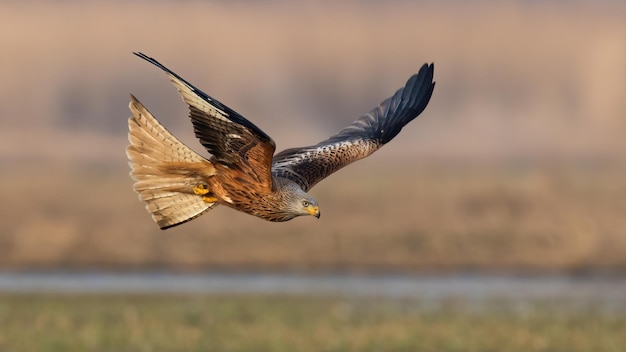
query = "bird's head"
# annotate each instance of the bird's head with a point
(295, 201)
(303, 204)
(309, 207)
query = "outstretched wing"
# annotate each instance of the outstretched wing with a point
(309, 165)
(229, 137)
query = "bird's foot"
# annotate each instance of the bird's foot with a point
(200, 189)
(209, 199)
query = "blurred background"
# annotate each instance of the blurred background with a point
(517, 166)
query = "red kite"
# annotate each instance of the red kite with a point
(243, 173)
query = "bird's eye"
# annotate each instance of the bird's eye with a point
(305, 203)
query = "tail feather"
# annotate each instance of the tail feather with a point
(165, 170)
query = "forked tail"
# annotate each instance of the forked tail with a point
(169, 176)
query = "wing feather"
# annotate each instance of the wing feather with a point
(309, 165)
(233, 140)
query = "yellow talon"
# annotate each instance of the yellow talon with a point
(209, 199)
(200, 189)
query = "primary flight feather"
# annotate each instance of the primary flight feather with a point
(243, 173)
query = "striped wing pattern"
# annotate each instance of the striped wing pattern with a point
(152, 152)
(309, 165)
(232, 140)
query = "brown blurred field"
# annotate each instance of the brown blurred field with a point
(514, 79)
(518, 163)
(398, 218)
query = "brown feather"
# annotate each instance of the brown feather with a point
(232, 140)
(165, 170)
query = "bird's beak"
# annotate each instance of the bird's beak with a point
(315, 211)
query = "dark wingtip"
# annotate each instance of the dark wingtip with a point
(414, 98)
(157, 64)
(141, 55)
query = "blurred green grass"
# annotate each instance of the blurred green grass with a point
(271, 323)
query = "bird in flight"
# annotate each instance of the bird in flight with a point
(243, 173)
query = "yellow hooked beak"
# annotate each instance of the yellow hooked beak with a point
(314, 210)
